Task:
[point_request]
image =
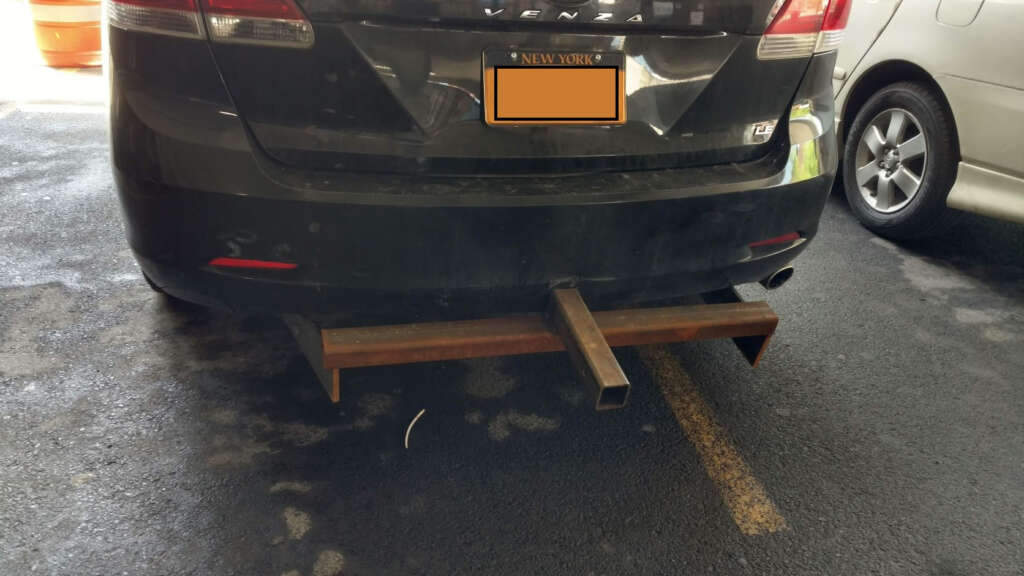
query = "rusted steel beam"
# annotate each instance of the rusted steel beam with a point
(591, 356)
(530, 334)
(641, 326)
(435, 341)
(749, 324)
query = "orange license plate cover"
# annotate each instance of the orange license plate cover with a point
(554, 87)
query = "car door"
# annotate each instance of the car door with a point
(984, 79)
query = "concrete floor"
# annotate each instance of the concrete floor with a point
(885, 427)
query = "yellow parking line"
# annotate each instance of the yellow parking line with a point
(751, 508)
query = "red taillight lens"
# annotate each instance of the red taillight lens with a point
(798, 17)
(181, 5)
(799, 28)
(168, 17)
(257, 8)
(268, 22)
(837, 15)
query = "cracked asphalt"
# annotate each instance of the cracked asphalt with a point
(885, 424)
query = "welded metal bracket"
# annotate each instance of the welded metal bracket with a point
(568, 325)
(751, 346)
(310, 339)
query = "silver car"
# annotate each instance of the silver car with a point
(930, 100)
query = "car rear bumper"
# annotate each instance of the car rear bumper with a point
(194, 187)
(446, 261)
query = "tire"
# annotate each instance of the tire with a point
(885, 199)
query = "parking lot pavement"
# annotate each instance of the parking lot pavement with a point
(881, 434)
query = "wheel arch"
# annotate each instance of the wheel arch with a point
(883, 74)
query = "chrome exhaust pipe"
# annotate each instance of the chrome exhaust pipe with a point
(777, 279)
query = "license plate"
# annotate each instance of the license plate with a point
(554, 87)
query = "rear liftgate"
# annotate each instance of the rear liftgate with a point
(568, 325)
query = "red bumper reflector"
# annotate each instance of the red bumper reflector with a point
(784, 239)
(244, 263)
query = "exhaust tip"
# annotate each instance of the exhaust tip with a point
(777, 279)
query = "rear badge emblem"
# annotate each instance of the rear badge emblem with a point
(565, 16)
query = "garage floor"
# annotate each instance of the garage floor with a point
(883, 433)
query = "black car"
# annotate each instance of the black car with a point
(418, 158)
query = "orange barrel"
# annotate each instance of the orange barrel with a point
(68, 31)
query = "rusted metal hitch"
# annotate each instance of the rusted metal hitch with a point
(568, 325)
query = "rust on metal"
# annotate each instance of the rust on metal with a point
(310, 338)
(753, 344)
(749, 324)
(591, 356)
(531, 334)
(435, 341)
(642, 326)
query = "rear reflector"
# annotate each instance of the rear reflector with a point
(264, 22)
(784, 239)
(800, 28)
(167, 17)
(223, 262)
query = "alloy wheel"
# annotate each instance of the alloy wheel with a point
(891, 159)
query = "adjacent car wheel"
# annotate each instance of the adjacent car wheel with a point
(899, 162)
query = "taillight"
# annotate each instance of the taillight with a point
(167, 17)
(836, 16)
(799, 28)
(269, 22)
(264, 22)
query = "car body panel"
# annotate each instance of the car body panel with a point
(990, 122)
(737, 16)
(867, 21)
(988, 192)
(398, 98)
(958, 12)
